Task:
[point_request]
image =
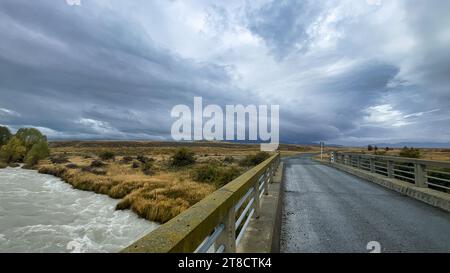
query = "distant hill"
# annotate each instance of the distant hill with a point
(415, 145)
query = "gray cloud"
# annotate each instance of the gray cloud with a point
(284, 24)
(341, 71)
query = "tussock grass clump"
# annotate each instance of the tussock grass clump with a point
(97, 171)
(55, 170)
(80, 180)
(123, 189)
(161, 202)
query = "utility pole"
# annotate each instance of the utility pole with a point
(321, 150)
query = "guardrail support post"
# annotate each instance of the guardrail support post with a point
(390, 169)
(228, 236)
(372, 165)
(358, 162)
(267, 180)
(256, 196)
(420, 174)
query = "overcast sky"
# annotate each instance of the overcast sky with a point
(347, 72)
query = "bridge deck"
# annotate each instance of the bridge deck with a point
(326, 210)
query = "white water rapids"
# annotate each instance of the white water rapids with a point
(41, 213)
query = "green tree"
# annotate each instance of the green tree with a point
(39, 151)
(13, 151)
(30, 136)
(5, 135)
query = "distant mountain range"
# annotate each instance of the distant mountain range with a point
(395, 145)
(379, 145)
(415, 145)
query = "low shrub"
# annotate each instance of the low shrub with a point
(97, 164)
(183, 157)
(228, 159)
(72, 166)
(98, 171)
(215, 174)
(147, 168)
(253, 160)
(126, 159)
(410, 152)
(3, 165)
(59, 159)
(94, 170)
(107, 155)
(144, 159)
(136, 164)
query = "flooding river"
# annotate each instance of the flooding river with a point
(41, 213)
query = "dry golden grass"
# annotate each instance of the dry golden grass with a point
(158, 197)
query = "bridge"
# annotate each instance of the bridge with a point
(350, 203)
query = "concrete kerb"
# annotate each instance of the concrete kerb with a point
(429, 196)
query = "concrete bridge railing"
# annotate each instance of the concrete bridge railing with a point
(422, 173)
(218, 222)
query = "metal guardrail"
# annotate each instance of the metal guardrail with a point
(423, 173)
(216, 223)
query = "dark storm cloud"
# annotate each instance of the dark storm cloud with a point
(67, 74)
(337, 103)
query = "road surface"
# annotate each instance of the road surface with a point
(326, 210)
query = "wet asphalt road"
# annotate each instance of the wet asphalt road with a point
(326, 210)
